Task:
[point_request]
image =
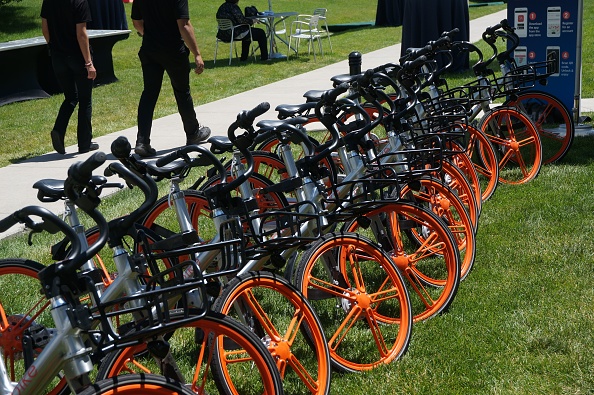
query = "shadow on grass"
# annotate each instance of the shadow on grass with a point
(15, 19)
(581, 151)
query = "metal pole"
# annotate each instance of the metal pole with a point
(578, 64)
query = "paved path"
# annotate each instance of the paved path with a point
(168, 134)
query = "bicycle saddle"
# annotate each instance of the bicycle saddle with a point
(269, 124)
(50, 190)
(290, 110)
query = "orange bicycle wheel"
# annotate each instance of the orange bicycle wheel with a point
(517, 144)
(422, 247)
(440, 199)
(137, 384)
(216, 352)
(482, 154)
(553, 120)
(455, 179)
(24, 311)
(280, 315)
(360, 298)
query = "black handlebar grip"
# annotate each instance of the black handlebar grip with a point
(440, 42)
(250, 115)
(451, 33)
(331, 95)
(81, 172)
(8, 222)
(121, 148)
(365, 79)
(245, 119)
(491, 29)
(413, 64)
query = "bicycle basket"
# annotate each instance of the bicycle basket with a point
(351, 198)
(283, 228)
(467, 95)
(171, 299)
(224, 254)
(449, 123)
(172, 296)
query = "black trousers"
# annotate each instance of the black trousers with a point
(177, 66)
(259, 35)
(71, 74)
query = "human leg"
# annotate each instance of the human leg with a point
(259, 35)
(84, 87)
(178, 69)
(67, 83)
(152, 75)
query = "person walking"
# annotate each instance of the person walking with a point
(167, 39)
(64, 27)
(230, 10)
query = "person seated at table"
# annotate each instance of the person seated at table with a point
(230, 10)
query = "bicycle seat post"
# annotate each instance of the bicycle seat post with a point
(176, 198)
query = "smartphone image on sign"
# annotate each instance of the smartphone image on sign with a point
(521, 21)
(553, 21)
(521, 56)
(554, 59)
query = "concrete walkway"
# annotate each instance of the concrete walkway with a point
(168, 134)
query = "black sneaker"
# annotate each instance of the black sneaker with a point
(58, 142)
(145, 150)
(202, 134)
(92, 147)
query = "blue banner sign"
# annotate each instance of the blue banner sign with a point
(548, 31)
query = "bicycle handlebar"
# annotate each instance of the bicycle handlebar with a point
(205, 158)
(81, 172)
(51, 224)
(245, 120)
(146, 184)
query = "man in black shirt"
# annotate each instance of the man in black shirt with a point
(167, 39)
(64, 27)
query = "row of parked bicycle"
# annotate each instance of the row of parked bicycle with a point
(302, 254)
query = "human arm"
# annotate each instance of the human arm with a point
(45, 30)
(139, 26)
(187, 32)
(85, 49)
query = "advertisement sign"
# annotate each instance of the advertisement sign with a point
(550, 30)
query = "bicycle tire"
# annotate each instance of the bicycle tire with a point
(431, 268)
(137, 384)
(276, 311)
(517, 143)
(26, 309)
(483, 157)
(449, 207)
(463, 162)
(251, 354)
(457, 182)
(374, 325)
(553, 120)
